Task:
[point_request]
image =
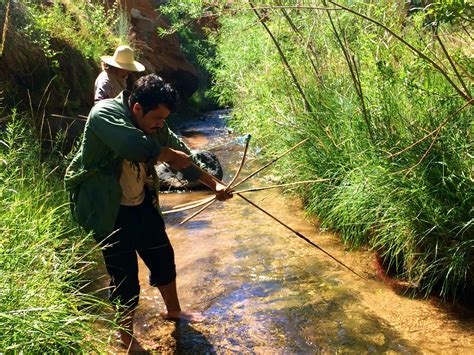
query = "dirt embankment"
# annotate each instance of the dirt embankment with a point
(31, 79)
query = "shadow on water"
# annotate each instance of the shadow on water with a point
(190, 341)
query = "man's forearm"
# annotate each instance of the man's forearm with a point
(175, 158)
(210, 181)
(166, 154)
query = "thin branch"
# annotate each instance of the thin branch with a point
(228, 186)
(452, 64)
(253, 189)
(302, 237)
(247, 141)
(5, 27)
(193, 202)
(354, 76)
(271, 162)
(199, 211)
(42, 96)
(198, 203)
(417, 51)
(310, 44)
(292, 7)
(283, 57)
(190, 207)
(214, 198)
(425, 154)
(365, 112)
(55, 115)
(450, 116)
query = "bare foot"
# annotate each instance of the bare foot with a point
(181, 315)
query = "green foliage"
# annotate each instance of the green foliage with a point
(66, 40)
(196, 44)
(450, 11)
(415, 207)
(42, 255)
(85, 25)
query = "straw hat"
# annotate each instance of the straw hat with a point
(123, 58)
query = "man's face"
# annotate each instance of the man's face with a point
(152, 120)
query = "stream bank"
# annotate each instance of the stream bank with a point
(261, 289)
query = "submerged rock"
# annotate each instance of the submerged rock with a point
(171, 179)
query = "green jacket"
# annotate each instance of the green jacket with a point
(93, 175)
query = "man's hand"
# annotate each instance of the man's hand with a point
(216, 185)
(221, 192)
(175, 158)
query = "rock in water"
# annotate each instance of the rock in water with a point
(171, 179)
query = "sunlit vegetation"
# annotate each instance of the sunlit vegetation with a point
(382, 89)
(43, 255)
(55, 46)
(51, 50)
(384, 92)
(86, 26)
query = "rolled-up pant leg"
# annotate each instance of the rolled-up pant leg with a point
(120, 258)
(138, 229)
(154, 246)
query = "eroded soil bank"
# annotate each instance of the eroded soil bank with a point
(263, 290)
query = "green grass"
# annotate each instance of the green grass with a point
(414, 208)
(86, 26)
(66, 40)
(42, 255)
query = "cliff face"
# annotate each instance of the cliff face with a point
(161, 55)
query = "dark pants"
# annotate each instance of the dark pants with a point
(140, 229)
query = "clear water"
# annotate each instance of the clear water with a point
(263, 290)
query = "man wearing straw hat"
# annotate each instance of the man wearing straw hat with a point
(109, 198)
(115, 69)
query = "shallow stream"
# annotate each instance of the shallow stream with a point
(261, 289)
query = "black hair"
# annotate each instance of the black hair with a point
(150, 91)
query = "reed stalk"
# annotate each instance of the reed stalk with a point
(242, 162)
(283, 58)
(254, 189)
(207, 199)
(214, 199)
(270, 162)
(198, 203)
(5, 27)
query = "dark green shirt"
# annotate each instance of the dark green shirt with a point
(93, 176)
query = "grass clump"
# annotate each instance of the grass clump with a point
(66, 40)
(87, 26)
(384, 92)
(42, 255)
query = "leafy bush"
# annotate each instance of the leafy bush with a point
(84, 25)
(66, 40)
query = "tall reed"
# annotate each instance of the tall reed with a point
(42, 256)
(390, 123)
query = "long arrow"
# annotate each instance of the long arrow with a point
(302, 237)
